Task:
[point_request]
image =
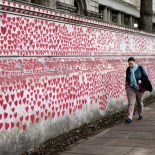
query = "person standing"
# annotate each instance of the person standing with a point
(134, 89)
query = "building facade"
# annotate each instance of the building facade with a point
(59, 70)
(121, 12)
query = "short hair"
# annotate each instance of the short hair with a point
(131, 59)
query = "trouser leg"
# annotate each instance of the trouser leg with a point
(140, 105)
(131, 95)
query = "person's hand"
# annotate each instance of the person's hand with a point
(139, 81)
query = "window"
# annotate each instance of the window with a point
(114, 16)
(76, 6)
(101, 8)
(126, 20)
(153, 27)
(135, 22)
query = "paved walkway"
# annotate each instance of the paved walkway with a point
(137, 138)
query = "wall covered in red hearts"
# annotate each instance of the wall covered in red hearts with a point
(58, 71)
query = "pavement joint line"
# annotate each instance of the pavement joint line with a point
(145, 119)
(119, 138)
(123, 138)
(148, 114)
(129, 146)
(141, 125)
(138, 125)
(133, 130)
(130, 151)
(114, 146)
(72, 153)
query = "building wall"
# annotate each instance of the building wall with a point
(137, 3)
(91, 8)
(59, 71)
(118, 5)
(133, 2)
(123, 7)
(70, 2)
(46, 3)
(93, 5)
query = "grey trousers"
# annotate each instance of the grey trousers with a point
(134, 96)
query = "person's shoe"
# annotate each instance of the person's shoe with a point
(128, 120)
(140, 118)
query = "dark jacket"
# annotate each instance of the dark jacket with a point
(140, 74)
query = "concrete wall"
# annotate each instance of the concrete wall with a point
(133, 2)
(70, 2)
(118, 5)
(92, 5)
(137, 3)
(59, 71)
(132, 7)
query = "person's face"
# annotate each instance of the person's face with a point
(131, 63)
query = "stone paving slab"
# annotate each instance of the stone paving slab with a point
(142, 151)
(98, 150)
(121, 142)
(152, 105)
(126, 135)
(145, 122)
(137, 138)
(135, 128)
